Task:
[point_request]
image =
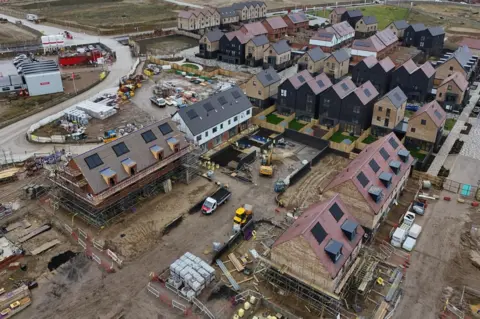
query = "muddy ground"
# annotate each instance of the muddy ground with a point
(10, 33)
(166, 45)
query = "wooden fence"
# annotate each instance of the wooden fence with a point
(342, 147)
(331, 131)
(436, 181)
(359, 142)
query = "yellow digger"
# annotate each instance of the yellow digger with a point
(266, 167)
(242, 216)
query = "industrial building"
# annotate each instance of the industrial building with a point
(11, 83)
(42, 77)
(105, 181)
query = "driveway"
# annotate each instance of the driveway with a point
(13, 137)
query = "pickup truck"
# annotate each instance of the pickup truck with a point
(158, 101)
(401, 233)
(211, 203)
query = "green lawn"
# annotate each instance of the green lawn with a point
(409, 113)
(369, 139)
(191, 66)
(338, 137)
(384, 14)
(295, 125)
(449, 123)
(416, 154)
(274, 119)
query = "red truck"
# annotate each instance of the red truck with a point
(78, 58)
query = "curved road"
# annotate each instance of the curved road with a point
(13, 138)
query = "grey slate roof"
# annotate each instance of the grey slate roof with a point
(260, 40)
(214, 35)
(354, 13)
(268, 76)
(436, 31)
(396, 96)
(418, 27)
(316, 54)
(139, 152)
(205, 120)
(40, 67)
(400, 24)
(281, 46)
(341, 55)
(226, 12)
(462, 55)
(241, 5)
(369, 20)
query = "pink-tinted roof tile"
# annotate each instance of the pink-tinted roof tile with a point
(434, 111)
(409, 66)
(387, 64)
(372, 44)
(428, 69)
(366, 92)
(320, 83)
(343, 29)
(185, 14)
(471, 43)
(370, 61)
(255, 28)
(242, 37)
(276, 23)
(387, 37)
(340, 10)
(298, 17)
(459, 80)
(361, 165)
(344, 87)
(319, 213)
(299, 79)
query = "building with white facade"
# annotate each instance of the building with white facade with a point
(213, 121)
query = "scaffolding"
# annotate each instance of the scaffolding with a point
(68, 197)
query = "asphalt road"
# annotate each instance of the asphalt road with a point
(13, 138)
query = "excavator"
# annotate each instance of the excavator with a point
(242, 216)
(266, 167)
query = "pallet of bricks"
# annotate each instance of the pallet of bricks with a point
(190, 275)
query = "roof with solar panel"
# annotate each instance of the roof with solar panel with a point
(134, 149)
(396, 96)
(214, 110)
(330, 230)
(268, 77)
(366, 92)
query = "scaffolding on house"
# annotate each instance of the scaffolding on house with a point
(66, 196)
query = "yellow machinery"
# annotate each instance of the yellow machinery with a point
(266, 168)
(243, 214)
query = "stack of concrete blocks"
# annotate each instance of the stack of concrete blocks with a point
(78, 116)
(191, 271)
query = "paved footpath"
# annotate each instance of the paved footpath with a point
(442, 155)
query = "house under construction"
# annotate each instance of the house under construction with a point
(110, 179)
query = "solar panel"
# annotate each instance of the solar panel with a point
(236, 94)
(319, 233)
(397, 96)
(384, 154)
(93, 161)
(362, 179)
(393, 143)
(320, 83)
(344, 86)
(367, 92)
(336, 212)
(222, 100)
(148, 136)
(301, 78)
(437, 114)
(268, 77)
(374, 166)
(165, 128)
(208, 107)
(192, 114)
(293, 18)
(120, 149)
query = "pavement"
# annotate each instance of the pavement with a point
(13, 137)
(442, 155)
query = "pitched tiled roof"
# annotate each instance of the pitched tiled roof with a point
(387, 64)
(344, 87)
(276, 22)
(320, 83)
(316, 54)
(409, 66)
(369, 20)
(341, 55)
(370, 61)
(255, 28)
(242, 37)
(281, 46)
(360, 164)
(324, 35)
(260, 40)
(342, 29)
(241, 5)
(366, 92)
(354, 13)
(318, 217)
(459, 80)
(428, 69)
(226, 12)
(340, 10)
(268, 77)
(298, 17)
(471, 43)
(299, 79)
(418, 27)
(371, 44)
(462, 55)
(396, 96)
(400, 24)
(214, 35)
(436, 31)
(387, 37)
(185, 14)
(434, 111)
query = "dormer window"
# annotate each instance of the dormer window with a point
(130, 166)
(395, 166)
(109, 176)
(404, 155)
(386, 179)
(376, 193)
(349, 228)
(157, 152)
(334, 250)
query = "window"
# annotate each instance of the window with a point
(379, 118)
(165, 128)
(388, 112)
(283, 92)
(440, 94)
(199, 137)
(259, 92)
(422, 38)
(248, 112)
(6, 89)
(423, 122)
(93, 161)
(380, 109)
(214, 130)
(449, 88)
(229, 122)
(422, 44)
(254, 83)
(356, 109)
(412, 130)
(120, 149)
(206, 133)
(235, 118)
(148, 136)
(221, 126)
(451, 68)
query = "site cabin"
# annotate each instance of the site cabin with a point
(320, 246)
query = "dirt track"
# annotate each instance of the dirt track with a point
(11, 33)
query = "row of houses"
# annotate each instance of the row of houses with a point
(208, 17)
(332, 38)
